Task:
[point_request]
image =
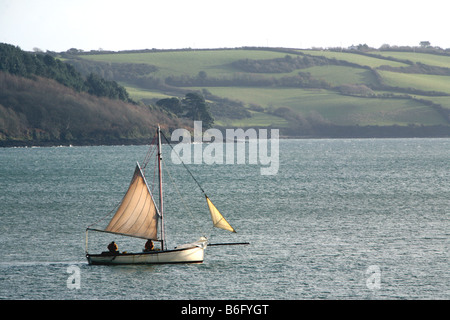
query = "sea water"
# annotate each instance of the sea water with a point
(341, 219)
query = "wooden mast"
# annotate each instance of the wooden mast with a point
(161, 203)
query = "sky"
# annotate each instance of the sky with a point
(58, 25)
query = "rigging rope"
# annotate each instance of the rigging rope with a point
(103, 218)
(149, 152)
(184, 164)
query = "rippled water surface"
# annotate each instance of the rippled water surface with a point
(342, 219)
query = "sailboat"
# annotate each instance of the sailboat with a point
(139, 216)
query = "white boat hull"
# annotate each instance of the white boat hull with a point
(184, 254)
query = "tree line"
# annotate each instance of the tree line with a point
(18, 62)
(118, 71)
(193, 106)
(42, 111)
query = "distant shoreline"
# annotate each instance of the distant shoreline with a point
(130, 142)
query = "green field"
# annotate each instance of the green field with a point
(344, 88)
(340, 75)
(425, 58)
(191, 62)
(424, 82)
(355, 58)
(140, 94)
(336, 108)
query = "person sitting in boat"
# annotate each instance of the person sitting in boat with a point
(149, 246)
(113, 248)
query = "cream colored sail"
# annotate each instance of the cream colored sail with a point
(217, 218)
(137, 214)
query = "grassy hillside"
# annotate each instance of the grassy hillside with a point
(425, 58)
(294, 89)
(177, 63)
(424, 82)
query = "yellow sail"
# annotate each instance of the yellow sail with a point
(217, 218)
(137, 214)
